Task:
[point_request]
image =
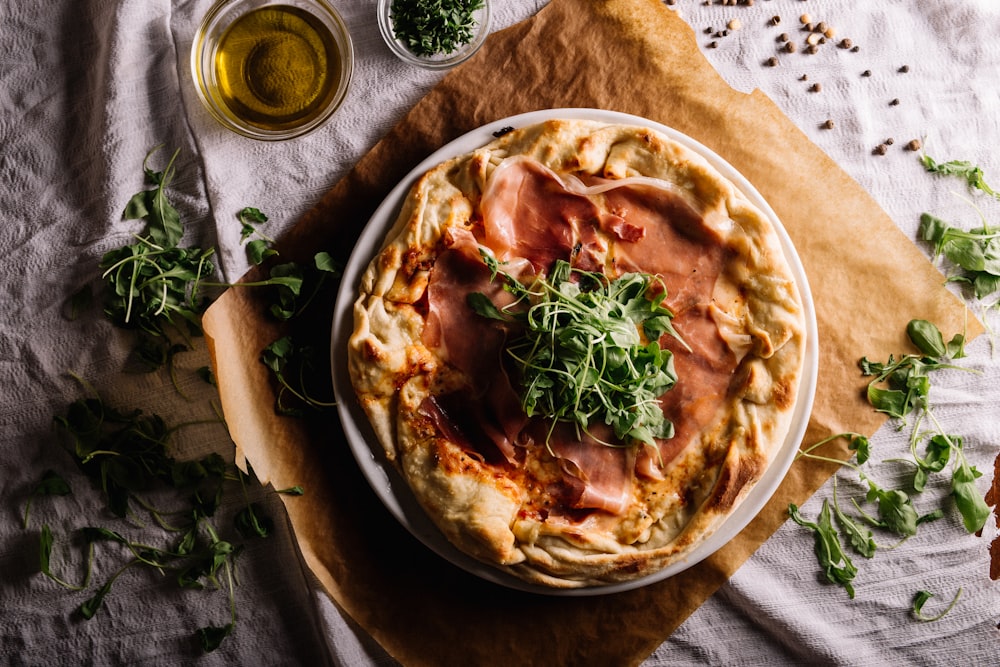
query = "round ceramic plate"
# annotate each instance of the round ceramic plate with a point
(389, 484)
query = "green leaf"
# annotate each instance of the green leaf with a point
(921, 598)
(251, 521)
(211, 637)
(859, 537)
(835, 563)
(860, 446)
(292, 491)
(890, 401)
(972, 174)
(927, 338)
(971, 504)
(258, 250)
(895, 509)
(326, 263)
(484, 307)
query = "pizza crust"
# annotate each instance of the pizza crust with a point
(491, 509)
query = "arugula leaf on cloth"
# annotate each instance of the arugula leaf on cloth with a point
(835, 563)
(976, 253)
(901, 388)
(126, 455)
(972, 174)
(921, 598)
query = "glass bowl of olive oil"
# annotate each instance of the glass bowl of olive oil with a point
(435, 34)
(272, 69)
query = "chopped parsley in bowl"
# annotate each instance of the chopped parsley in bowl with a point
(436, 34)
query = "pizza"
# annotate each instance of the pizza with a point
(589, 449)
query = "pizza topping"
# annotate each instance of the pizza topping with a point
(589, 351)
(589, 357)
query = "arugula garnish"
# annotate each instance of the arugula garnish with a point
(588, 349)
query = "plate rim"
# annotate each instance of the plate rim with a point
(389, 485)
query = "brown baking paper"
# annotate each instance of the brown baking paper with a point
(633, 56)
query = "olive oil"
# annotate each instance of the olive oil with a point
(277, 67)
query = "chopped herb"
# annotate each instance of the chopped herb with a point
(429, 27)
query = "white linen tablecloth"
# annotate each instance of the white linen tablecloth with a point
(88, 88)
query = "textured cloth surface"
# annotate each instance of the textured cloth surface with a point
(88, 88)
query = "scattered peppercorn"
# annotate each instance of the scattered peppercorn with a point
(815, 88)
(713, 45)
(734, 24)
(813, 48)
(855, 48)
(804, 77)
(880, 149)
(866, 73)
(783, 37)
(775, 20)
(790, 47)
(828, 125)
(804, 19)
(914, 145)
(904, 69)
(846, 43)
(889, 142)
(894, 102)
(772, 62)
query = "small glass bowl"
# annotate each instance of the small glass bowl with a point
(439, 60)
(268, 108)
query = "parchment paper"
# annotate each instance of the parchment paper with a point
(638, 57)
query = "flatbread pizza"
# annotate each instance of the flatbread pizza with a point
(581, 347)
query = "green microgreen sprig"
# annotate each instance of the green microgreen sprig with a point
(587, 349)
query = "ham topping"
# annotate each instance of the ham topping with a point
(531, 217)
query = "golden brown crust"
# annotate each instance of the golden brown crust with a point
(506, 513)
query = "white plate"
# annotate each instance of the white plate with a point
(386, 481)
